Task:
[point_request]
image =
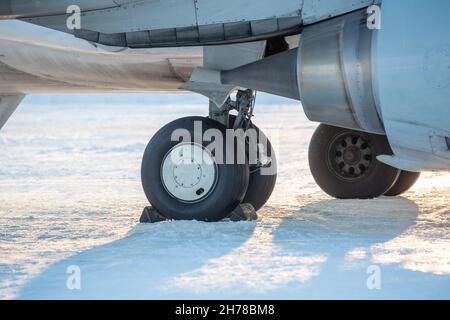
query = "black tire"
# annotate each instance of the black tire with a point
(343, 163)
(262, 181)
(405, 181)
(227, 193)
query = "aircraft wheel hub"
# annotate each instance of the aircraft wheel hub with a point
(350, 156)
(189, 172)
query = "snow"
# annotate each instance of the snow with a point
(70, 195)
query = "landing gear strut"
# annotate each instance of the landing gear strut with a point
(187, 173)
(263, 173)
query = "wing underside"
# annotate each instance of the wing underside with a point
(150, 23)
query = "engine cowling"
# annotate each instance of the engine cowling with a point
(330, 72)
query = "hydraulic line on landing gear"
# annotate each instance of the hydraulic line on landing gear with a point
(245, 104)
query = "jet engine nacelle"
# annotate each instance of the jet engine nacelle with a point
(330, 72)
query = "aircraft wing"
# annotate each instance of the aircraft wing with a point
(150, 23)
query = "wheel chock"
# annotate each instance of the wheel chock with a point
(150, 215)
(243, 212)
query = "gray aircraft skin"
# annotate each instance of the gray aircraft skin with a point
(378, 69)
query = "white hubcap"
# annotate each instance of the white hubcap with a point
(189, 172)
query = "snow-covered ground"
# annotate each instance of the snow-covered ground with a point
(70, 195)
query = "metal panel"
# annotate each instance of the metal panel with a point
(126, 16)
(276, 74)
(227, 33)
(137, 38)
(216, 58)
(8, 105)
(317, 10)
(232, 56)
(219, 11)
(143, 15)
(413, 82)
(335, 75)
(22, 8)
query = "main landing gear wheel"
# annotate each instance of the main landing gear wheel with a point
(183, 181)
(263, 175)
(405, 181)
(343, 163)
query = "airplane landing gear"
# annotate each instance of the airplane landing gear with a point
(343, 163)
(190, 172)
(182, 178)
(263, 172)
